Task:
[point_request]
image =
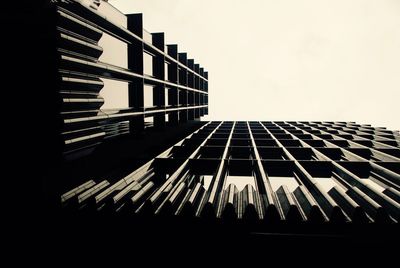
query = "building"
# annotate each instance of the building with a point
(112, 77)
(297, 178)
(105, 86)
(284, 176)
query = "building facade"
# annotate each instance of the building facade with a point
(111, 77)
(262, 173)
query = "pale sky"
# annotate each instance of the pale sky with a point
(335, 60)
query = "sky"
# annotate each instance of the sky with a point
(288, 60)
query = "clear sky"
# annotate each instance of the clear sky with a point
(288, 60)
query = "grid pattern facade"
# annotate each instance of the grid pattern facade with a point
(262, 172)
(84, 36)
